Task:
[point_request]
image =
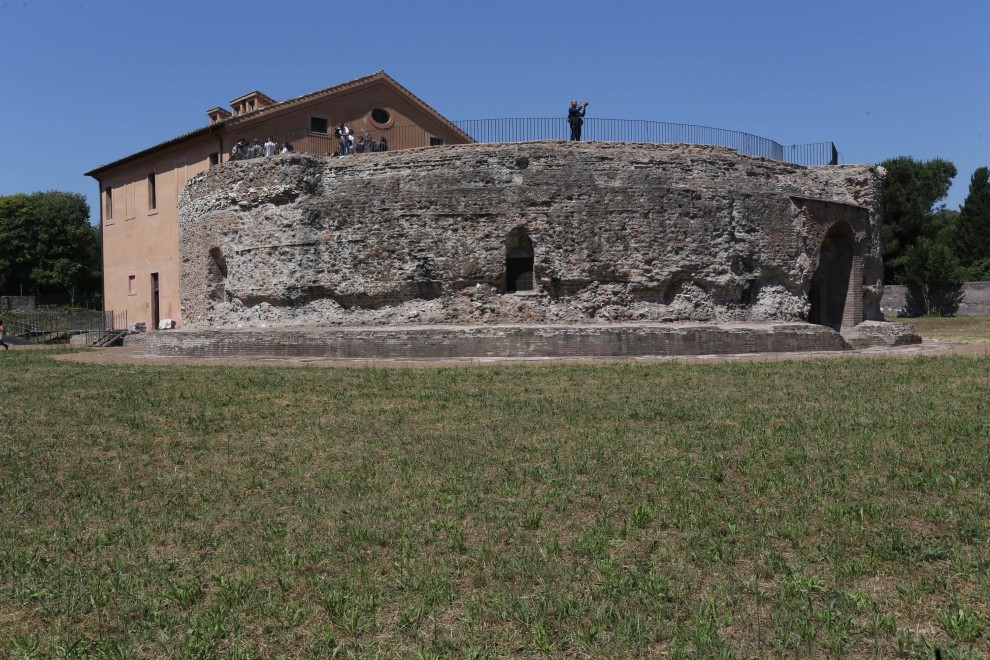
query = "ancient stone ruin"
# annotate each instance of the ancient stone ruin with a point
(550, 236)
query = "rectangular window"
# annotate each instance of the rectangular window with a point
(318, 124)
(435, 141)
(109, 204)
(152, 193)
(214, 160)
(132, 285)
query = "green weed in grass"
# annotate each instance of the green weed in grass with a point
(833, 508)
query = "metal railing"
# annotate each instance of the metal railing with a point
(326, 144)
(557, 128)
(45, 326)
(651, 132)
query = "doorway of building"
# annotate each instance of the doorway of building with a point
(830, 283)
(518, 261)
(155, 316)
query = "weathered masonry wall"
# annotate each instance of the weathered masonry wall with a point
(544, 232)
(974, 299)
(441, 342)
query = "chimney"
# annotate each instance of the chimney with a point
(250, 102)
(218, 114)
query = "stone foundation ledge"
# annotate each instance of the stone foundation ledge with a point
(496, 341)
(881, 333)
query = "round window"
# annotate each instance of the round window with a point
(380, 116)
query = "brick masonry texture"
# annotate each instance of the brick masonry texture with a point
(621, 233)
(496, 341)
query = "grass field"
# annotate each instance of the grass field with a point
(958, 328)
(804, 509)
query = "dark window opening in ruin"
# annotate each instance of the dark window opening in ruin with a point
(518, 262)
(830, 283)
(380, 116)
(318, 124)
(214, 159)
(155, 301)
(435, 141)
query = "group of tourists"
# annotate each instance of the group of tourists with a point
(348, 144)
(256, 149)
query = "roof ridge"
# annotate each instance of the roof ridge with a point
(235, 120)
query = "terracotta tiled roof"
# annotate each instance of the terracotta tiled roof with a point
(282, 105)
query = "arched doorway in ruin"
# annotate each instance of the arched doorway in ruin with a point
(518, 261)
(832, 298)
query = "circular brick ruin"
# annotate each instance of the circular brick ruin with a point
(536, 235)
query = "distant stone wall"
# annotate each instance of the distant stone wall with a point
(974, 301)
(616, 232)
(8, 303)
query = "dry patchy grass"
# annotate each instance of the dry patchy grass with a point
(953, 328)
(822, 508)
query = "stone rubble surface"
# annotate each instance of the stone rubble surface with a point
(621, 233)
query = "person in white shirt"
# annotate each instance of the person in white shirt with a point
(346, 138)
(269, 147)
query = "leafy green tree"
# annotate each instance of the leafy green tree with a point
(47, 244)
(972, 237)
(979, 271)
(934, 276)
(15, 242)
(911, 191)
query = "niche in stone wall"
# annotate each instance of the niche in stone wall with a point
(216, 277)
(830, 283)
(519, 261)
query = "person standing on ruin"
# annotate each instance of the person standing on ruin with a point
(344, 134)
(239, 150)
(575, 117)
(270, 147)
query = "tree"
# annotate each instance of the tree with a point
(933, 275)
(15, 242)
(972, 237)
(47, 244)
(911, 191)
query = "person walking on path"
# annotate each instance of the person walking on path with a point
(3, 335)
(575, 117)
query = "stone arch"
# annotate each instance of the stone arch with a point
(519, 261)
(835, 298)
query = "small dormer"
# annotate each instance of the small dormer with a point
(218, 114)
(250, 102)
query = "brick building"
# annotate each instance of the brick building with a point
(139, 193)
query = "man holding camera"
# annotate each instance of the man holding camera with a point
(575, 117)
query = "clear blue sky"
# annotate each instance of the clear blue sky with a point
(86, 82)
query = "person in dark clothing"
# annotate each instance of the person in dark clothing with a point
(3, 335)
(575, 117)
